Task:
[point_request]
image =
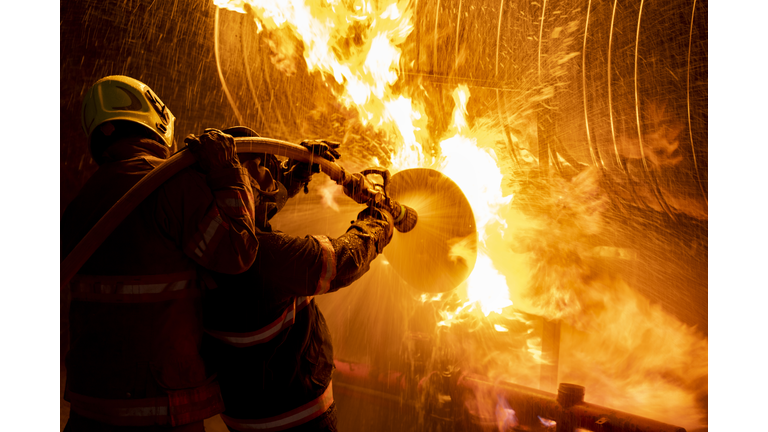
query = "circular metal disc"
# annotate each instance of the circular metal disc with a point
(440, 252)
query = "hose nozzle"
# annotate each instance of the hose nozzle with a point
(406, 218)
(359, 188)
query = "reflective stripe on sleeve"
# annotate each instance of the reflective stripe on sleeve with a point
(266, 333)
(240, 202)
(295, 417)
(212, 228)
(132, 288)
(328, 273)
(208, 235)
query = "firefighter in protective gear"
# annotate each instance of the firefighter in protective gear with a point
(134, 361)
(266, 338)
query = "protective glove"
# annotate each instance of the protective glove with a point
(300, 173)
(323, 148)
(384, 219)
(297, 176)
(214, 150)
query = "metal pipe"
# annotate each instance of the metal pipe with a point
(567, 408)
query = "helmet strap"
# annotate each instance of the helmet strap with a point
(107, 128)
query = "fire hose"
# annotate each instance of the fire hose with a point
(405, 218)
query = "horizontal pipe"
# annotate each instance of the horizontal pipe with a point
(530, 403)
(384, 388)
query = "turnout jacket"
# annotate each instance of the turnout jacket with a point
(135, 315)
(266, 337)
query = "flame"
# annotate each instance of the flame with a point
(402, 114)
(355, 43)
(505, 416)
(475, 170)
(547, 423)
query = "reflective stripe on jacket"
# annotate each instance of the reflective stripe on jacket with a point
(266, 333)
(133, 289)
(295, 417)
(178, 408)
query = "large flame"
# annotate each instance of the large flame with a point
(477, 173)
(354, 42)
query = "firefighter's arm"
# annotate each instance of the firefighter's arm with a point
(314, 265)
(211, 211)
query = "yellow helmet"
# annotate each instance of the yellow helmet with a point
(119, 97)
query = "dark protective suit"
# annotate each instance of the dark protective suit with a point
(135, 316)
(267, 339)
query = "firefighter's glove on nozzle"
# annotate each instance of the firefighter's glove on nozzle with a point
(357, 187)
(214, 150)
(383, 219)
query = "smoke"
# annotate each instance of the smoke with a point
(626, 351)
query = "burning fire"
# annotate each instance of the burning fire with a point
(477, 173)
(355, 43)
(633, 347)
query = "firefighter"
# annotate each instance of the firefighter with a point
(266, 337)
(134, 362)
